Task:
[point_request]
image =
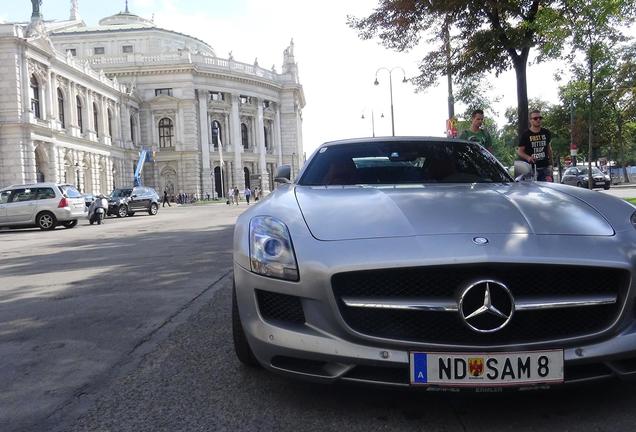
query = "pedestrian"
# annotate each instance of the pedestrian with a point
(476, 132)
(236, 195)
(257, 193)
(534, 147)
(165, 199)
(248, 194)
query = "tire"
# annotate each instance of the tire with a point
(154, 208)
(579, 184)
(122, 211)
(606, 187)
(70, 224)
(46, 221)
(241, 347)
(131, 213)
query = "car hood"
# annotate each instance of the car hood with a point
(356, 212)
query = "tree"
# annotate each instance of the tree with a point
(494, 36)
(594, 29)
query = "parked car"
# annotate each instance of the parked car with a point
(421, 262)
(126, 201)
(578, 176)
(44, 205)
(88, 199)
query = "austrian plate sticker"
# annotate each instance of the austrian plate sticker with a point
(486, 369)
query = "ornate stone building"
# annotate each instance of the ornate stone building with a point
(78, 103)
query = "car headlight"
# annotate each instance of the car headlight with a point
(586, 178)
(271, 249)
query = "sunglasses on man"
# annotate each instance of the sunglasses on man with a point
(537, 118)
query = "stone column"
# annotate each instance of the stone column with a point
(204, 122)
(276, 138)
(52, 100)
(260, 145)
(238, 179)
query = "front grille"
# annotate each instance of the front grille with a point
(280, 307)
(447, 282)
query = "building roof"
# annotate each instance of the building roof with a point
(122, 22)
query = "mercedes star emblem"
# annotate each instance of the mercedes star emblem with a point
(486, 306)
(480, 241)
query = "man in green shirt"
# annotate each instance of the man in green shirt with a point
(476, 133)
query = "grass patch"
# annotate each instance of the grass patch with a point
(631, 200)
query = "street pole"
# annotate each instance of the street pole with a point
(449, 76)
(376, 82)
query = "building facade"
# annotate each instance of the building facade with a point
(78, 103)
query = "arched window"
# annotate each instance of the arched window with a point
(216, 133)
(96, 118)
(132, 129)
(166, 132)
(80, 121)
(35, 97)
(244, 139)
(110, 122)
(265, 134)
(60, 108)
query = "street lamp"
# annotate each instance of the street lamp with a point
(215, 134)
(114, 174)
(376, 82)
(372, 121)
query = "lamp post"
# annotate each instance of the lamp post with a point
(215, 133)
(376, 82)
(114, 175)
(372, 121)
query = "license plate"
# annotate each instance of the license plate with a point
(486, 369)
(600, 183)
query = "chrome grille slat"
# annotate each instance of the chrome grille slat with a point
(521, 304)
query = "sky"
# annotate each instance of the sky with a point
(336, 68)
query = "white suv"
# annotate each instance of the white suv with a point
(44, 205)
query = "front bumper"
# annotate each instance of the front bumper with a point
(306, 351)
(322, 347)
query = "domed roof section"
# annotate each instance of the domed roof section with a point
(126, 18)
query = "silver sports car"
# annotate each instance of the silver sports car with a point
(421, 262)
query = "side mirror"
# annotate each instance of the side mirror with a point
(283, 174)
(522, 170)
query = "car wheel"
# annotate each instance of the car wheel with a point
(241, 346)
(154, 208)
(70, 224)
(122, 211)
(46, 221)
(579, 184)
(606, 187)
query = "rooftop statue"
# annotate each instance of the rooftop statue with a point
(36, 8)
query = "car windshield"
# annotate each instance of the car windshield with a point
(595, 171)
(403, 162)
(121, 193)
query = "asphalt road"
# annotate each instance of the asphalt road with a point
(126, 327)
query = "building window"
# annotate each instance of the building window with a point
(216, 133)
(245, 100)
(73, 51)
(127, 49)
(110, 122)
(80, 122)
(217, 96)
(132, 129)
(98, 50)
(265, 134)
(166, 132)
(96, 119)
(35, 97)
(163, 91)
(244, 139)
(266, 104)
(60, 108)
